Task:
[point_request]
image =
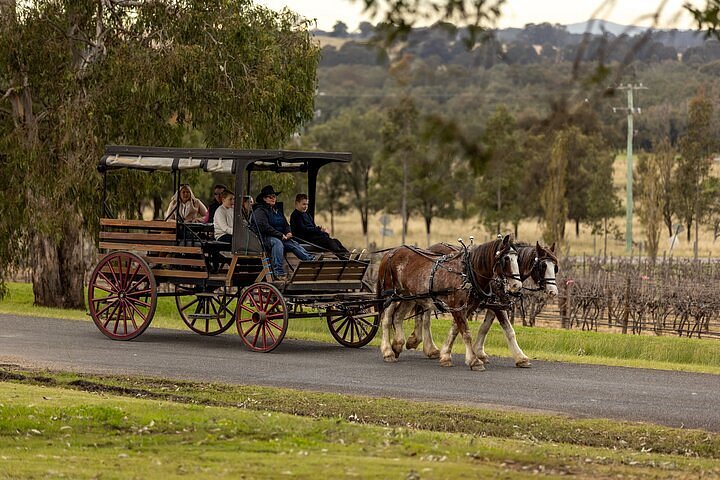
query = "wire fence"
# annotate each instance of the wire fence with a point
(631, 296)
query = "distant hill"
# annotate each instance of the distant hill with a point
(597, 27)
(425, 41)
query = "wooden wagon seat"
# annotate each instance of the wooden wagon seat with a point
(332, 275)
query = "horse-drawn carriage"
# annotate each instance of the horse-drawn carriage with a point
(216, 284)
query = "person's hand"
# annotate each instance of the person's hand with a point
(288, 236)
(323, 229)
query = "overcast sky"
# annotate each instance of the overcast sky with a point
(516, 13)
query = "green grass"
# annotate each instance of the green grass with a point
(668, 353)
(82, 426)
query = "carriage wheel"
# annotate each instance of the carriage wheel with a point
(262, 317)
(353, 327)
(122, 295)
(206, 311)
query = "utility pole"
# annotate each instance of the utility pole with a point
(631, 110)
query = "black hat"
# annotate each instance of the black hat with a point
(268, 190)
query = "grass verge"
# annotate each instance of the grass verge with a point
(56, 424)
(667, 353)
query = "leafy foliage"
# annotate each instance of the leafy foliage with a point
(131, 73)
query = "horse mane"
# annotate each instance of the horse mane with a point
(522, 246)
(482, 259)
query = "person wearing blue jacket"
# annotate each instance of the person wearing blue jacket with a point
(275, 231)
(303, 227)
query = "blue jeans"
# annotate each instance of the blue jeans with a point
(277, 252)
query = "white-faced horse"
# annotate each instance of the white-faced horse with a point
(458, 282)
(538, 269)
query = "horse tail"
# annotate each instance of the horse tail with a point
(385, 285)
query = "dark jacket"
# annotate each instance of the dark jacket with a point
(303, 226)
(268, 221)
(212, 207)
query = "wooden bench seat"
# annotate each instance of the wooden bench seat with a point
(156, 242)
(330, 275)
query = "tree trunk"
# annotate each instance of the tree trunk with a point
(689, 232)
(696, 246)
(157, 208)
(577, 228)
(605, 236)
(332, 219)
(667, 217)
(363, 209)
(59, 268)
(428, 221)
(403, 204)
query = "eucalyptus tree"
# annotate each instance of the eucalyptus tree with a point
(697, 148)
(552, 199)
(649, 194)
(501, 186)
(353, 130)
(75, 76)
(433, 194)
(399, 149)
(667, 158)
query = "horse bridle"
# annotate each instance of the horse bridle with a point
(538, 267)
(501, 260)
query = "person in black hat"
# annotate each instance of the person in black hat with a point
(275, 231)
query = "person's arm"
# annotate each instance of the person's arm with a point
(170, 212)
(296, 224)
(286, 227)
(202, 210)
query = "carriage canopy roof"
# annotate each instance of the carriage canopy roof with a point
(215, 160)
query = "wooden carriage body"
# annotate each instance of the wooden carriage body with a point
(215, 286)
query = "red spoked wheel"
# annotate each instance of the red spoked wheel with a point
(122, 295)
(262, 317)
(206, 311)
(353, 327)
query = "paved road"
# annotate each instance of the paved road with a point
(668, 398)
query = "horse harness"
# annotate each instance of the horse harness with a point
(470, 281)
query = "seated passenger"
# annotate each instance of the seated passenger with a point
(275, 231)
(190, 208)
(224, 217)
(215, 202)
(247, 206)
(304, 228)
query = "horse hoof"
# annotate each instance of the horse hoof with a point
(485, 359)
(411, 344)
(447, 362)
(434, 354)
(390, 358)
(477, 367)
(523, 363)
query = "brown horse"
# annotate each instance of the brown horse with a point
(458, 282)
(538, 266)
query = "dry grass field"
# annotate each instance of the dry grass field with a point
(348, 229)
